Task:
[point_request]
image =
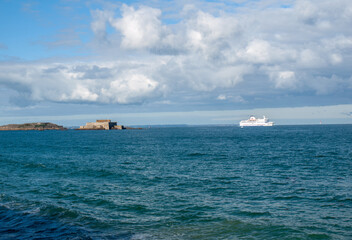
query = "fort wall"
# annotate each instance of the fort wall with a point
(101, 124)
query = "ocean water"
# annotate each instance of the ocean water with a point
(281, 182)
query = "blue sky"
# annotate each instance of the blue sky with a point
(159, 62)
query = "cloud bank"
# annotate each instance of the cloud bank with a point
(261, 50)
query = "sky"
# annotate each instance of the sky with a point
(175, 62)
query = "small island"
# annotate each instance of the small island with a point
(103, 125)
(40, 126)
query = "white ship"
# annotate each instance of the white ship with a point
(252, 121)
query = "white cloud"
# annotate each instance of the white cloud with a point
(336, 58)
(80, 93)
(310, 59)
(231, 98)
(222, 97)
(285, 79)
(129, 88)
(257, 51)
(338, 43)
(75, 83)
(210, 34)
(140, 28)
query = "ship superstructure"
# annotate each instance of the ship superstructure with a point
(254, 122)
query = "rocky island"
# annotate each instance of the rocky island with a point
(41, 126)
(103, 125)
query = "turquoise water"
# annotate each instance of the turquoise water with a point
(282, 182)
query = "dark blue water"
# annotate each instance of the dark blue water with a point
(282, 182)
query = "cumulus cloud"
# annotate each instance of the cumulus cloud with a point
(141, 28)
(311, 59)
(79, 82)
(284, 79)
(129, 88)
(335, 58)
(210, 34)
(261, 51)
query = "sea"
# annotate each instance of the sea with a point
(197, 182)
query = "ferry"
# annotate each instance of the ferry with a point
(254, 122)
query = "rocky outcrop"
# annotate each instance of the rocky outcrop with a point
(32, 126)
(97, 127)
(103, 125)
(131, 128)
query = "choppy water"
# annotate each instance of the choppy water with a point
(282, 182)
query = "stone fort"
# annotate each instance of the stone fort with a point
(101, 125)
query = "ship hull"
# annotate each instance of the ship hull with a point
(269, 124)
